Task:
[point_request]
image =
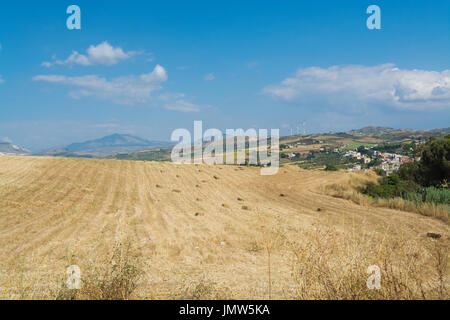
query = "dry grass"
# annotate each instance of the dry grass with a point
(317, 274)
(347, 188)
(133, 237)
(114, 279)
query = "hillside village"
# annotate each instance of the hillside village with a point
(390, 162)
(369, 159)
(359, 150)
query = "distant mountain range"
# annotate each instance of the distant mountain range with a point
(123, 144)
(109, 145)
(386, 130)
(9, 148)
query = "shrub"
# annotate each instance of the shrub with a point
(389, 187)
(380, 172)
(430, 194)
(413, 196)
(438, 196)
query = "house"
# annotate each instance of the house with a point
(306, 153)
(406, 159)
(389, 166)
(355, 168)
(353, 154)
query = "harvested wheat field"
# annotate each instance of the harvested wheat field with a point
(152, 230)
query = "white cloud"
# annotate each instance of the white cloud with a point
(6, 139)
(209, 77)
(170, 96)
(253, 65)
(177, 102)
(159, 74)
(383, 84)
(129, 90)
(182, 105)
(105, 125)
(102, 53)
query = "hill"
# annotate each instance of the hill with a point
(11, 149)
(375, 130)
(204, 232)
(109, 145)
(315, 151)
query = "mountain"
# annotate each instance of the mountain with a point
(387, 130)
(376, 130)
(109, 145)
(9, 148)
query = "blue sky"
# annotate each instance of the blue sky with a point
(149, 67)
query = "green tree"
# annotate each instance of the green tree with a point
(434, 164)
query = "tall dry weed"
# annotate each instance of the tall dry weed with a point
(332, 267)
(115, 278)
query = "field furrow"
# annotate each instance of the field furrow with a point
(206, 231)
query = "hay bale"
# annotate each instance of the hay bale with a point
(433, 235)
